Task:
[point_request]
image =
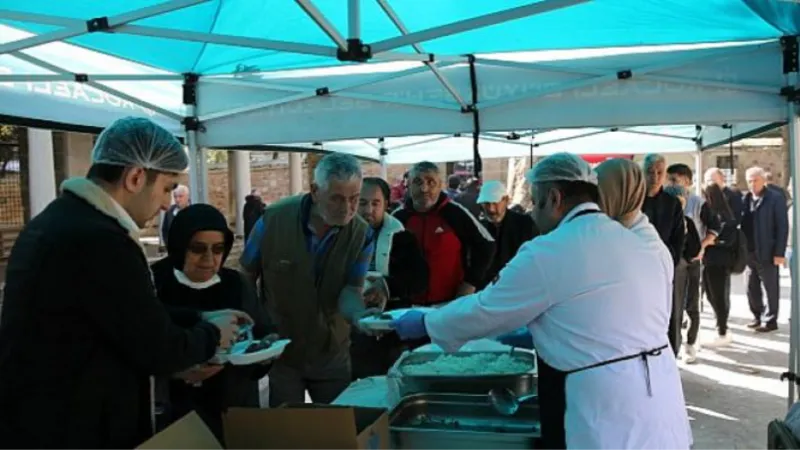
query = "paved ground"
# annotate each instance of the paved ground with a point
(732, 393)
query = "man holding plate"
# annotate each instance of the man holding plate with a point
(311, 253)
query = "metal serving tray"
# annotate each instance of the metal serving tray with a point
(520, 383)
(461, 421)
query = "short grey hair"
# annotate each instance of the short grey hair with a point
(181, 189)
(755, 171)
(652, 159)
(423, 167)
(338, 166)
(709, 175)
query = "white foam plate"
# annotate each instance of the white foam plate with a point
(374, 323)
(238, 357)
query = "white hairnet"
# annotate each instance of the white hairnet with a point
(140, 142)
(562, 167)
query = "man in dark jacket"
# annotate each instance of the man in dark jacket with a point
(82, 330)
(398, 259)
(456, 246)
(663, 210)
(765, 224)
(181, 197)
(253, 210)
(468, 198)
(510, 229)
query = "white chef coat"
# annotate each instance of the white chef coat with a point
(588, 291)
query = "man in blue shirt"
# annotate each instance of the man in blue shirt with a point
(311, 253)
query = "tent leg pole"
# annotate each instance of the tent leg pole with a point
(794, 264)
(383, 152)
(354, 19)
(198, 173)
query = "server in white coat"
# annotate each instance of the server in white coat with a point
(593, 295)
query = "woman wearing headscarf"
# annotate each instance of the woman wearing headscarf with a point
(191, 277)
(622, 188)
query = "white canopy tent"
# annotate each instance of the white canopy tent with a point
(39, 84)
(582, 141)
(240, 100)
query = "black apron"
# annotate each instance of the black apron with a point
(552, 385)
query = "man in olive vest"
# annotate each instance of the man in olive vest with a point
(312, 253)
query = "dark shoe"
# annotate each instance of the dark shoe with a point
(754, 324)
(771, 326)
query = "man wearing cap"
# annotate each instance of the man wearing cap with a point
(82, 329)
(510, 229)
(578, 288)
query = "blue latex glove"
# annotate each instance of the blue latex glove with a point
(410, 325)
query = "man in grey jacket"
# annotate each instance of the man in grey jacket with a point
(689, 275)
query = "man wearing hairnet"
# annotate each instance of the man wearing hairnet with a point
(584, 289)
(82, 330)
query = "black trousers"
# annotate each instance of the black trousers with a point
(324, 378)
(717, 284)
(694, 274)
(766, 274)
(680, 285)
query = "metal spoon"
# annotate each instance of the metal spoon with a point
(505, 402)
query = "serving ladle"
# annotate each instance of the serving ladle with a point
(506, 402)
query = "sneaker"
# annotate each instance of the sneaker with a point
(689, 354)
(767, 327)
(754, 324)
(720, 341)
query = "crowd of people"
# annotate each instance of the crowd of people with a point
(98, 349)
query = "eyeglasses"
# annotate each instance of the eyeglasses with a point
(199, 248)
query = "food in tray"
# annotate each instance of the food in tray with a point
(424, 420)
(476, 364)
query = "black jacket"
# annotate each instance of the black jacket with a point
(408, 270)
(408, 277)
(666, 215)
(252, 211)
(514, 230)
(234, 385)
(766, 225)
(81, 332)
(166, 222)
(691, 244)
(735, 202)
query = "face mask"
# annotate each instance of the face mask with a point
(184, 280)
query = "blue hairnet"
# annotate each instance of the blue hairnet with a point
(562, 167)
(140, 142)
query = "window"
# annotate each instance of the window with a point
(724, 162)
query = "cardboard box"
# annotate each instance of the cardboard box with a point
(190, 432)
(292, 426)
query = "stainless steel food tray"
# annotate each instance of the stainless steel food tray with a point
(520, 383)
(463, 421)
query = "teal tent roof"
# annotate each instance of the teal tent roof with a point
(568, 24)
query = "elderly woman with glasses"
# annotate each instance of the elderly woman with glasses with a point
(190, 281)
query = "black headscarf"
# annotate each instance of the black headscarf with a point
(190, 220)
